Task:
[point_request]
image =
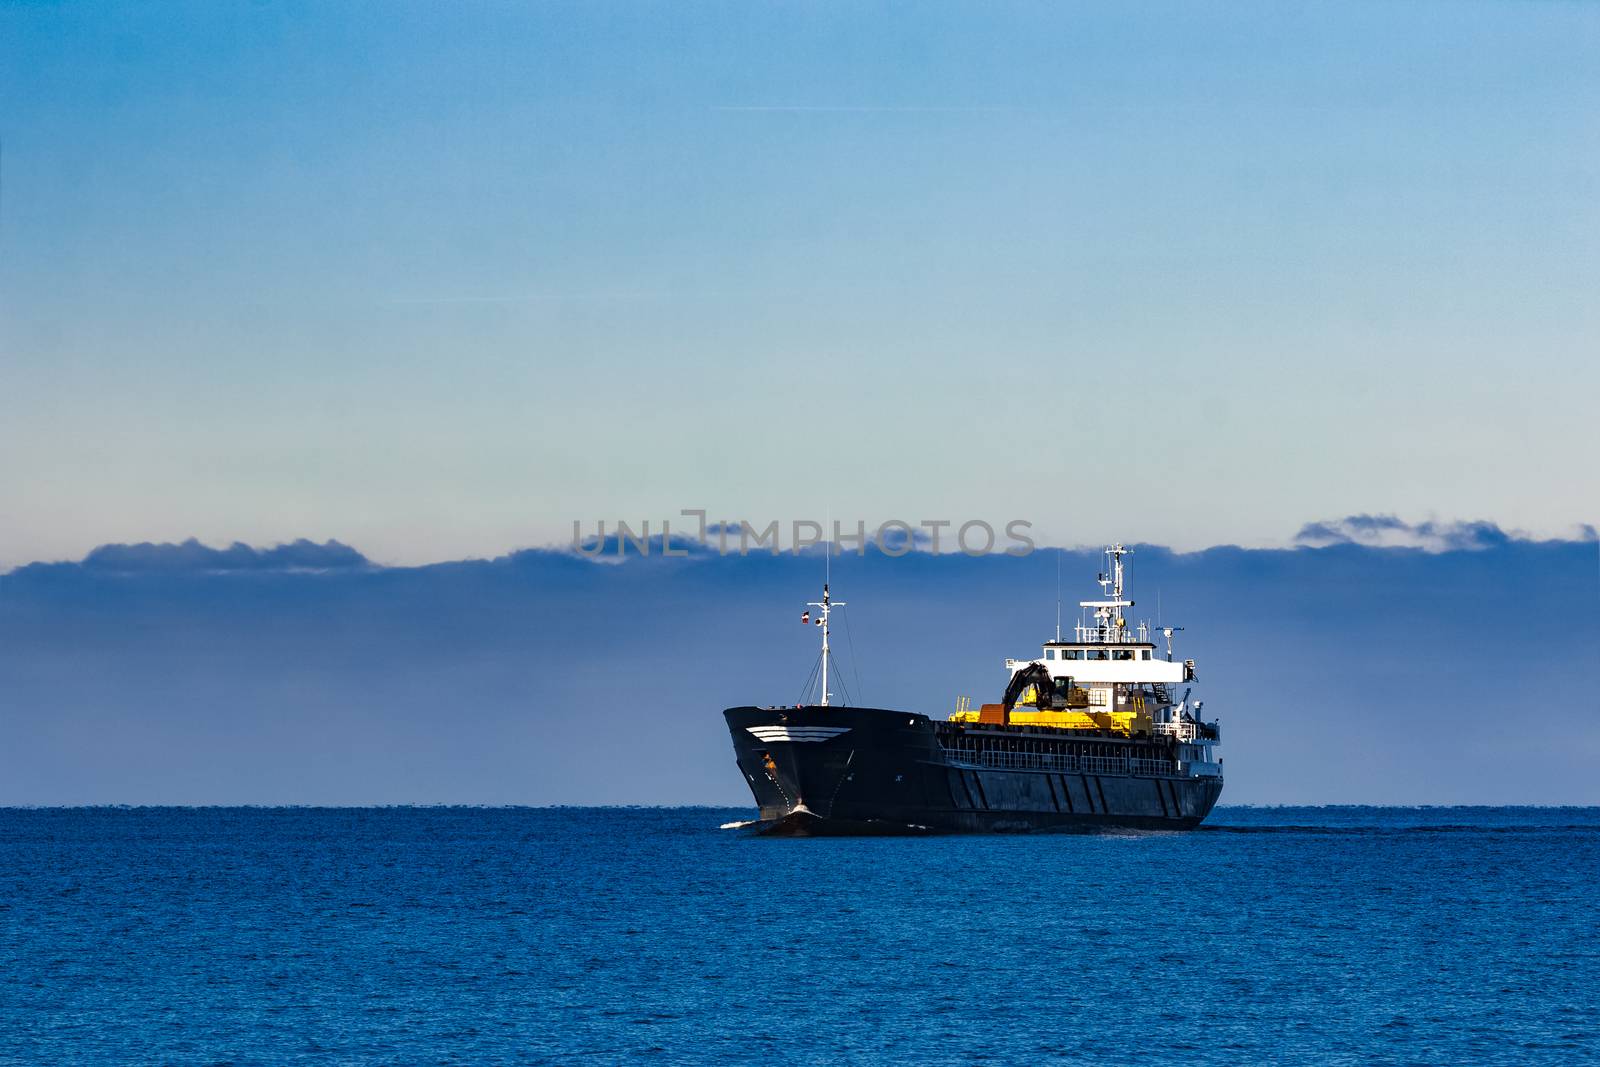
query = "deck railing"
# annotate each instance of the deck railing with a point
(1185, 730)
(1052, 761)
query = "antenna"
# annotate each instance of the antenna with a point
(1110, 624)
(1058, 594)
(826, 605)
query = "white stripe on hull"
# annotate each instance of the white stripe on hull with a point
(797, 733)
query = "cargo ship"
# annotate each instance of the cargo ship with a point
(1092, 734)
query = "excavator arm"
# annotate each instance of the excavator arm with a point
(1035, 675)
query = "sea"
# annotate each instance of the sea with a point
(1344, 935)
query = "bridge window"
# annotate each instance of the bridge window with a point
(1098, 653)
(1144, 653)
(1072, 653)
(1122, 653)
(1049, 653)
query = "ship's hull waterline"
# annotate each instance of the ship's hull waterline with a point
(842, 770)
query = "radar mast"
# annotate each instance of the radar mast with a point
(1110, 626)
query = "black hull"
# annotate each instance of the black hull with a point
(818, 771)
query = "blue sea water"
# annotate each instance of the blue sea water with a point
(459, 935)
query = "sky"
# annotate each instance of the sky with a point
(438, 280)
(1343, 669)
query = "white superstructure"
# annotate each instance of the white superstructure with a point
(1116, 668)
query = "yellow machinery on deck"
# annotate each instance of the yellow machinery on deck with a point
(1076, 716)
(1125, 723)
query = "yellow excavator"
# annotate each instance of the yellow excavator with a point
(1064, 708)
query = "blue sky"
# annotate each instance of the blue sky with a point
(438, 279)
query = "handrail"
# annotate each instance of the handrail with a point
(1051, 761)
(1185, 730)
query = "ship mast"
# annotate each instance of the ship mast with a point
(824, 606)
(1110, 624)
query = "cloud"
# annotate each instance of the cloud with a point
(614, 547)
(896, 539)
(237, 675)
(774, 538)
(1389, 531)
(192, 556)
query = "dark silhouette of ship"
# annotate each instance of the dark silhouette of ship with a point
(1091, 735)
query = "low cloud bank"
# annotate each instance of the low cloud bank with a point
(1389, 531)
(1362, 671)
(192, 556)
